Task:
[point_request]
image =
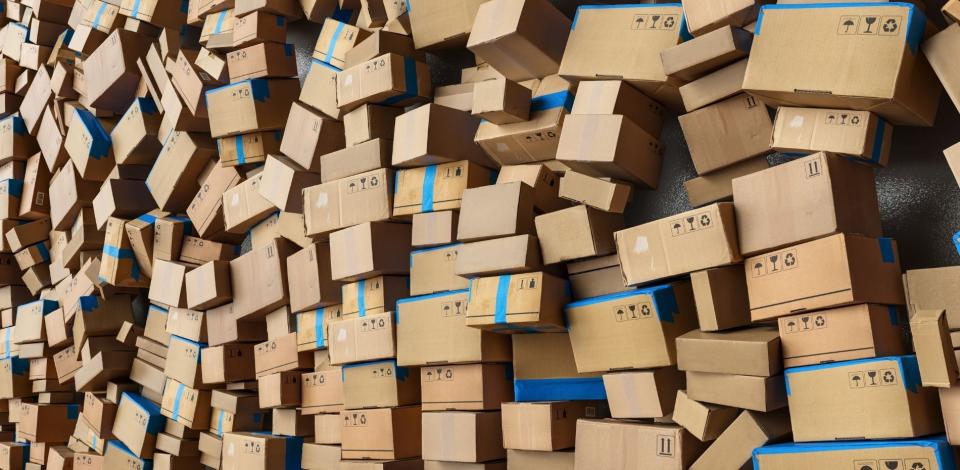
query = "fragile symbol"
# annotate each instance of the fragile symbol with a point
(892, 464)
(870, 20)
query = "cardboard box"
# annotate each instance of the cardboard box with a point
(595, 277)
(244, 207)
(544, 426)
(600, 194)
(373, 295)
(46, 422)
(634, 329)
(259, 280)
(699, 56)
(619, 97)
(357, 159)
(434, 134)
(714, 87)
(434, 228)
(718, 186)
(537, 460)
(854, 391)
(578, 232)
(466, 387)
(380, 384)
(659, 446)
(309, 279)
(543, 180)
(432, 270)
(173, 179)
(804, 195)
(436, 187)
(267, 59)
(183, 361)
(690, 241)
(117, 455)
(841, 334)
(462, 436)
(926, 289)
(308, 135)
(369, 122)
(827, 66)
(208, 285)
(495, 211)
(257, 451)
(501, 101)
(830, 272)
(169, 289)
(320, 88)
(858, 134)
(316, 337)
(138, 422)
(739, 391)
(931, 341)
(915, 453)
(336, 38)
(185, 405)
(517, 302)
(244, 149)
(611, 146)
(251, 105)
(343, 203)
(507, 255)
(542, 361)
(369, 249)
(727, 132)
(322, 391)
(327, 429)
(280, 355)
(705, 421)
(227, 363)
(439, 24)
(750, 430)
(643, 394)
(540, 43)
(382, 80)
(362, 338)
(383, 433)
(721, 298)
(279, 390)
(750, 351)
(703, 16)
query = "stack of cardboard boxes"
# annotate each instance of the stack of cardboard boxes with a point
(206, 263)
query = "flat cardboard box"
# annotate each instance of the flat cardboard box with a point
(363, 338)
(714, 87)
(841, 334)
(600, 194)
(575, 233)
(545, 426)
(858, 134)
(659, 446)
(687, 242)
(733, 449)
(927, 289)
(750, 351)
(436, 187)
(917, 453)
(382, 80)
(517, 302)
(634, 329)
(434, 134)
(462, 436)
(705, 421)
(829, 272)
(369, 249)
(432, 270)
(931, 341)
(432, 330)
(442, 24)
(738, 391)
(837, 401)
(356, 159)
(384, 433)
(536, 460)
(643, 394)
(611, 146)
(465, 387)
(721, 298)
(343, 203)
(731, 131)
(701, 55)
(718, 186)
(369, 122)
(595, 277)
(507, 255)
(816, 57)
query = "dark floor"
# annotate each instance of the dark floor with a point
(919, 199)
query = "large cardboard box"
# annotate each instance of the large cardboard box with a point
(864, 399)
(436, 187)
(517, 303)
(929, 289)
(828, 272)
(434, 134)
(253, 105)
(368, 250)
(749, 351)
(366, 197)
(841, 56)
(462, 436)
(383, 433)
(858, 134)
(690, 241)
(739, 391)
(656, 446)
(809, 197)
(737, 443)
(841, 334)
(731, 131)
(506, 36)
(466, 387)
(578, 232)
(643, 394)
(935, 355)
(933, 453)
(634, 329)
(612, 146)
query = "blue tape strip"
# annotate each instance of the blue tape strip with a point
(878, 136)
(318, 327)
(551, 101)
(293, 453)
(559, 389)
(238, 144)
(342, 15)
(94, 442)
(576, 17)
(886, 249)
(956, 241)
(941, 449)
(96, 18)
(361, 300)
(136, 9)
(148, 218)
(155, 419)
(426, 197)
(909, 369)
(185, 6)
(176, 402)
(19, 366)
(410, 83)
(44, 252)
(116, 444)
(119, 253)
(219, 25)
(6, 342)
(893, 315)
(73, 411)
(220, 422)
(100, 141)
(333, 42)
(14, 187)
(500, 307)
(324, 64)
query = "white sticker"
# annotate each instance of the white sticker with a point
(348, 80)
(796, 122)
(235, 200)
(232, 449)
(641, 245)
(342, 335)
(322, 200)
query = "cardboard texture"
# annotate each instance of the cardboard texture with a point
(857, 134)
(751, 351)
(728, 132)
(840, 334)
(667, 446)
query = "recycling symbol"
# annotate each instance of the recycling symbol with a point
(918, 466)
(669, 22)
(888, 377)
(789, 259)
(819, 321)
(704, 220)
(890, 25)
(645, 310)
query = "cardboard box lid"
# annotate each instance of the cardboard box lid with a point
(748, 351)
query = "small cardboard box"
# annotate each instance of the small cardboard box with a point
(545, 426)
(259, 280)
(501, 101)
(383, 433)
(829, 272)
(264, 60)
(931, 341)
(117, 455)
(173, 178)
(496, 210)
(643, 394)
(346, 202)
(282, 183)
(322, 391)
(749, 351)
(659, 446)
(432, 270)
(434, 228)
(538, 460)
(436, 187)
(40, 423)
(362, 338)
(817, 57)
(737, 443)
(610, 145)
(308, 135)
(227, 363)
(721, 298)
(466, 387)
(185, 405)
(434, 134)
(137, 424)
(111, 73)
(728, 132)
(280, 355)
(699, 56)
(369, 249)
(595, 277)
(383, 80)
(541, 178)
(928, 289)
(327, 429)
(601, 194)
(705, 16)
(208, 285)
(336, 38)
(441, 24)
(619, 97)
(462, 436)
(690, 241)
(739, 391)
(353, 160)
(517, 302)
(841, 334)
(380, 384)
(169, 289)
(505, 36)
(705, 421)
(244, 206)
(714, 87)
(634, 329)
(854, 391)
(858, 134)
(256, 451)
(279, 390)
(809, 197)
(549, 356)
(320, 89)
(183, 361)
(578, 232)
(309, 279)
(373, 295)
(369, 122)
(433, 330)
(507, 255)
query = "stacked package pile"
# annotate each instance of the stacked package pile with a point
(209, 264)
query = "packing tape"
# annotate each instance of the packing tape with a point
(176, 402)
(663, 297)
(238, 146)
(500, 306)
(956, 241)
(361, 297)
(136, 9)
(333, 42)
(220, 422)
(552, 100)
(559, 389)
(293, 453)
(6, 343)
(877, 151)
(410, 83)
(886, 250)
(318, 328)
(576, 16)
(909, 370)
(96, 18)
(941, 448)
(14, 186)
(218, 27)
(426, 196)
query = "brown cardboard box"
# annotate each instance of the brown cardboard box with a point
(705, 421)
(384, 433)
(434, 134)
(930, 453)
(536, 460)
(659, 446)
(251, 105)
(928, 289)
(434, 228)
(259, 280)
(432, 270)
(173, 179)
(931, 341)
(735, 445)
(309, 279)
(727, 132)
(589, 54)
(578, 232)
(336, 38)
(436, 187)
(244, 206)
(739, 391)
(280, 355)
(327, 428)
(117, 455)
(320, 88)
(699, 56)
(643, 394)
(380, 384)
(841, 334)
(507, 255)
(505, 36)
(953, 159)
(836, 401)
(187, 406)
(466, 387)
(313, 327)
(442, 23)
(517, 302)
(495, 211)
(187, 324)
(227, 363)
(619, 97)
(721, 298)
(859, 134)
(750, 351)
(360, 158)
(346, 202)
(462, 436)
(595, 277)
(322, 391)
(829, 272)
(630, 330)
(388, 39)
(110, 72)
(258, 26)
(704, 16)
(256, 451)
(248, 148)
(267, 59)
(137, 424)
(718, 185)
(308, 135)
(373, 295)
(369, 249)
(714, 87)
(183, 362)
(205, 210)
(283, 183)
(542, 361)
(600, 194)
(363, 338)
(543, 181)
(382, 80)
(68, 194)
(612, 146)
(208, 285)
(369, 122)
(690, 241)
(815, 57)
(501, 101)
(809, 197)
(46, 423)
(544, 426)
(290, 422)
(169, 289)
(279, 390)
(433, 330)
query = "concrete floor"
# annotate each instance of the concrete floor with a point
(919, 199)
